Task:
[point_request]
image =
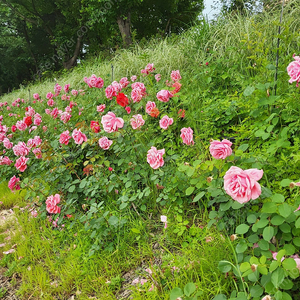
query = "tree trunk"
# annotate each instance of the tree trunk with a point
(29, 45)
(124, 26)
(73, 60)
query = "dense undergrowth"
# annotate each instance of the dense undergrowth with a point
(108, 237)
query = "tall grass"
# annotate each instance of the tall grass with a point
(223, 38)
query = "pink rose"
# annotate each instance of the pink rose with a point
(37, 152)
(21, 149)
(136, 95)
(21, 163)
(137, 121)
(50, 102)
(157, 77)
(65, 117)
(5, 160)
(7, 144)
(128, 109)
(51, 204)
(293, 70)
(37, 120)
(49, 95)
(54, 113)
(21, 125)
(155, 157)
(13, 184)
(124, 82)
(297, 260)
(79, 137)
(165, 122)
(36, 96)
(148, 69)
(110, 92)
(57, 89)
(175, 76)
(187, 135)
(149, 106)
(74, 92)
(133, 78)
(111, 123)
(100, 108)
(2, 137)
(220, 150)
(66, 88)
(242, 185)
(65, 137)
(164, 95)
(105, 143)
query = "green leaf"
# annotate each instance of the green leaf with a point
(241, 247)
(256, 291)
(274, 265)
(113, 220)
(220, 297)
(135, 230)
(297, 223)
(198, 196)
(285, 182)
(82, 184)
(241, 229)
(277, 198)
(245, 266)
(289, 248)
(285, 210)
(263, 260)
(278, 295)
(251, 219)
(72, 188)
(189, 289)
(287, 284)
(253, 238)
(280, 255)
(277, 277)
(262, 270)
(268, 233)
(248, 91)
(263, 245)
(277, 220)
(286, 228)
(271, 67)
(262, 223)
(289, 264)
(269, 207)
(286, 296)
(123, 205)
(243, 147)
(224, 266)
(189, 190)
(176, 293)
(296, 241)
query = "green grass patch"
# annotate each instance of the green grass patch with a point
(55, 263)
(10, 199)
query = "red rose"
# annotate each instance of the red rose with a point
(122, 99)
(95, 126)
(28, 121)
(13, 128)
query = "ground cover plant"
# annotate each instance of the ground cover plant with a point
(182, 172)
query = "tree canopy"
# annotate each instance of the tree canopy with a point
(38, 36)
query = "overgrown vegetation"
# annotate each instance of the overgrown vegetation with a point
(108, 234)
